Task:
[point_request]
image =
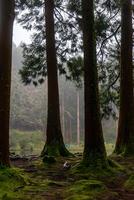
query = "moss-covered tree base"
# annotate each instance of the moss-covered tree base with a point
(4, 164)
(97, 167)
(95, 160)
(55, 150)
(125, 150)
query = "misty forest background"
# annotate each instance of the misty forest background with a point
(29, 114)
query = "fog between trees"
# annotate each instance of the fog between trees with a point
(29, 107)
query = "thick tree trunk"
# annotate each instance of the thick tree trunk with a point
(125, 137)
(6, 28)
(54, 143)
(94, 149)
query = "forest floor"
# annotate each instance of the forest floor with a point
(54, 182)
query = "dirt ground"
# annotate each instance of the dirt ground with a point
(50, 182)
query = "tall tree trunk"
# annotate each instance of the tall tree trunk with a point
(54, 144)
(125, 137)
(94, 148)
(6, 29)
(78, 118)
(63, 114)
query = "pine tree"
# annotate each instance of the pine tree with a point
(125, 138)
(6, 29)
(94, 148)
(54, 144)
(41, 59)
(69, 47)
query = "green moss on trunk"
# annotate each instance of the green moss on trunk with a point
(55, 149)
(94, 159)
(125, 150)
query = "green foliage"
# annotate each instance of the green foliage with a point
(34, 66)
(31, 17)
(75, 67)
(109, 75)
(75, 6)
(69, 46)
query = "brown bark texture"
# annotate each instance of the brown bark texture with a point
(125, 136)
(6, 29)
(94, 143)
(54, 142)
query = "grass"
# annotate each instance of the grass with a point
(74, 148)
(26, 142)
(32, 142)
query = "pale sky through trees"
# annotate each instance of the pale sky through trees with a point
(20, 34)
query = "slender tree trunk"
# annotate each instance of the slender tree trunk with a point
(125, 137)
(54, 144)
(6, 29)
(94, 148)
(78, 118)
(63, 115)
(70, 130)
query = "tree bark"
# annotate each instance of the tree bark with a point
(63, 115)
(78, 118)
(6, 29)
(54, 143)
(125, 136)
(94, 149)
